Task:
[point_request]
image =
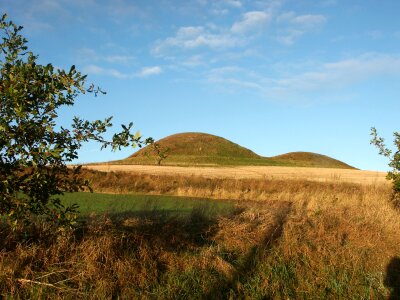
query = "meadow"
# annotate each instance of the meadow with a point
(161, 237)
(112, 204)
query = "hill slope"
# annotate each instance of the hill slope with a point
(200, 144)
(201, 149)
(312, 160)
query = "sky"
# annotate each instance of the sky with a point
(274, 76)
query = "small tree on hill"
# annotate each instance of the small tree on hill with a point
(160, 153)
(34, 151)
(394, 162)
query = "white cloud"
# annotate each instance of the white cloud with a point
(193, 61)
(325, 78)
(122, 8)
(303, 21)
(251, 21)
(334, 76)
(88, 54)
(195, 37)
(122, 59)
(290, 36)
(212, 36)
(308, 20)
(97, 70)
(144, 72)
(328, 2)
(295, 26)
(149, 71)
(234, 3)
(234, 76)
(268, 5)
(220, 12)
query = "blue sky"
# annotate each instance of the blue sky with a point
(272, 75)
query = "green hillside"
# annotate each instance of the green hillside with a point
(310, 159)
(200, 144)
(201, 149)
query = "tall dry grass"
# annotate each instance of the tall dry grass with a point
(286, 240)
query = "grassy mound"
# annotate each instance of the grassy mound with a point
(312, 160)
(201, 149)
(200, 144)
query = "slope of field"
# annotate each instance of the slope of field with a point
(201, 149)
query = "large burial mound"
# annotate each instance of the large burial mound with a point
(199, 144)
(202, 149)
(310, 159)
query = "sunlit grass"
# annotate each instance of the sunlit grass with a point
(276, 239)
(118, 203)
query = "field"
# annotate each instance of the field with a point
(257, 238)
(114, 204)
(254, 172)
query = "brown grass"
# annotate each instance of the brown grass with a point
(288, 239)
(253, 172)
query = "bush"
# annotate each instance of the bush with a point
(394, 162)
(34, 151)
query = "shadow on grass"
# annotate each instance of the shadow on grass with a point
(144, 242)
(392, 279)
(167, 229)
(245, 270)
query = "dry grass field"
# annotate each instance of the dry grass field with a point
(254, 172)
(326, 236)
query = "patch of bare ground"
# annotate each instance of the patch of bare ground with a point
(254, 172)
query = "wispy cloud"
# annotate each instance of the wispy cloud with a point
(328, 2)
(88, 54)
(251, 21)
(213, 36)
(344, 73)
(193, 61)
(234, 76)
(144, 72)
(194, 37)
(234, 3)
(149, 71)
(97, 70)
(295, 26)
(308, 21)
(324, 78)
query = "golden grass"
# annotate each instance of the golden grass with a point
(288, 239)
(253, 172)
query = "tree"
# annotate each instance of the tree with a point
(394, 162)
(160, 152)
(34, 150)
